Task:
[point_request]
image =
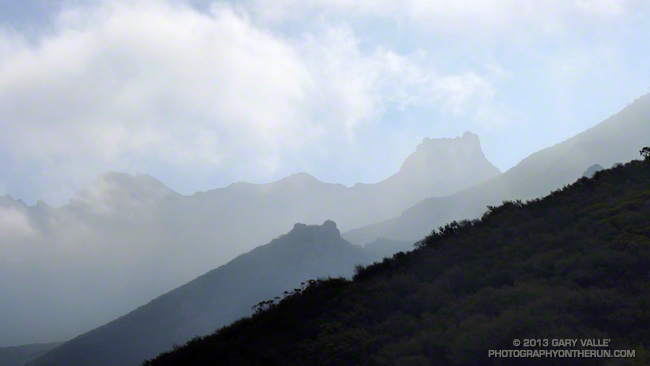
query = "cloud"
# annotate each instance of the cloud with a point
(18, 234)
(160, 81)
(14, 222)
(457, 16)
(153, 79)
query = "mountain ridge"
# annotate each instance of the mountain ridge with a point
(571, 265)
(130, 231)
(614, 140)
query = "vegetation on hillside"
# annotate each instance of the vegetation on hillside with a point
(574, 264)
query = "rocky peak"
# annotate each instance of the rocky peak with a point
(328, 229)
(441, 151)
(442, 166)
(8, 201)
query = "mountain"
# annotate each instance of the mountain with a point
(573, 265)
(614, 140)
(592, 170)
(436, 168)
(20, 355)
(123, 240)
(69, 269)
(216, 298)
(118, 193)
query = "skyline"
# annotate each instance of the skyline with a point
(342, 92)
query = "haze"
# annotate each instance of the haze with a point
(166, 165)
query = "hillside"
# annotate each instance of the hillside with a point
(614, 140)
(19, 355)
(571, 265)
(217, 298)
(120, 241)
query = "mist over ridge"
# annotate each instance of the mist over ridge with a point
(165, 165)
(124, 239)
(118, 203)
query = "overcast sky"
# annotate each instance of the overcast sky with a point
(203, 93)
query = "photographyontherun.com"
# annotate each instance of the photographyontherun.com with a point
(530, 348)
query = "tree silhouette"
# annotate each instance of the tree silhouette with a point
(645, 152)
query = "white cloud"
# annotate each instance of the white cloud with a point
(14, 222)
(162, 81)
(362, 85)
(18, 234)
(152, 79)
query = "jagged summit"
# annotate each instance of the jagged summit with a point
(442, 150)
(328, 230)
(8, 201)
(329, 225)
(467, 135)
(442, 166)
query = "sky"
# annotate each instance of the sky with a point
(200, 93)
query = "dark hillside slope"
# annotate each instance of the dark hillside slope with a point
(574, 264)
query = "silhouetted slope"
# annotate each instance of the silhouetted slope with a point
(214, 299)
(616, 139)
(20, 355)
(571, 265)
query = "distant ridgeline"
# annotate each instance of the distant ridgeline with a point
(574, 264)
